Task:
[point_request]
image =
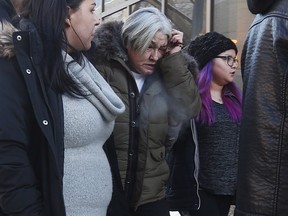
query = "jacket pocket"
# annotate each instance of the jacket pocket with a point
(158, 154)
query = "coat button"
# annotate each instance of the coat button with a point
(19, 38)
(28, 71)
(132, 94)
(138, 109)
(133, 124)
(45, 122)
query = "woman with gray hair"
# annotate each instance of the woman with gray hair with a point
(142, 60)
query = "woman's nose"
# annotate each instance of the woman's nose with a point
(97, 20)
(155, 54)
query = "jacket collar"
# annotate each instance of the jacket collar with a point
(35, 42)
(8, 32)
(108, 42)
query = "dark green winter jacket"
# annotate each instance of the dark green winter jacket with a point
(144, 132)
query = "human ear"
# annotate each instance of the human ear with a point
(68, 20)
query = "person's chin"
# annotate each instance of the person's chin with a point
(148, 72)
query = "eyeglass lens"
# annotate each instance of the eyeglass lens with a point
(231, 61)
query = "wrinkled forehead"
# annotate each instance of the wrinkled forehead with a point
(160, 39)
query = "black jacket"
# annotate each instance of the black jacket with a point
(183, 159)
(31, 152)
(263, 155)
(31, 133)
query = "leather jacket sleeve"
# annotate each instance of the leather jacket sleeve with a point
(263, 133)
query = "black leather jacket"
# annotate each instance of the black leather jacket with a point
(263, 164)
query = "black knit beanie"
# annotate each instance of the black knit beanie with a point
(206, 47)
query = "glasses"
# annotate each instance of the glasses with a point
(229, 60)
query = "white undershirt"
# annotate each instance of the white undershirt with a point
(139, 79)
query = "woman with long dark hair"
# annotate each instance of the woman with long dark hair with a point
(56, 113)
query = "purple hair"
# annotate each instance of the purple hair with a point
(232, 103)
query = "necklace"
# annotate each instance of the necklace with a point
(217, 98)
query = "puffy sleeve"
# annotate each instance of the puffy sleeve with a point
(181, 87)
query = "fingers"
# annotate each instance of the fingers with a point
(177, 37)
(176, 42)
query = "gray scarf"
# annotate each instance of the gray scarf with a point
(100, 94)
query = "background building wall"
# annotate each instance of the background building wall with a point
(233, 19)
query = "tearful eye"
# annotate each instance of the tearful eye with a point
(149, 49)
(162, 51)
(93, 9)
(159, 51)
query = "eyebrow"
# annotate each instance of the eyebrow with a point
(230, 55)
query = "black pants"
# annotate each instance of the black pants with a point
(211, 204)
(158, 208)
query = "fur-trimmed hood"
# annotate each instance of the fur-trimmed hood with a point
(192, 64)
(6, 39)
(108, 42)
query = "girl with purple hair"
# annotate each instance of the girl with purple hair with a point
(203, 161)
(217, 124)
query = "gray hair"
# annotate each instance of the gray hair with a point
(141, 26)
